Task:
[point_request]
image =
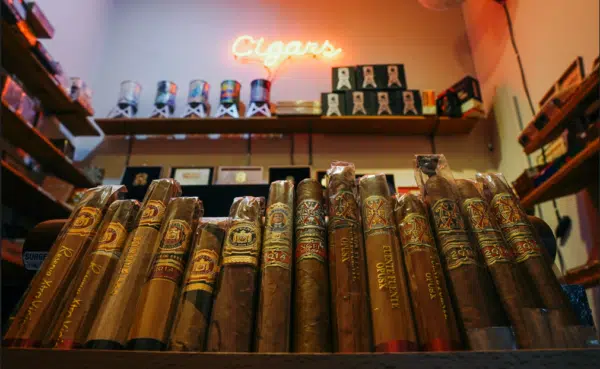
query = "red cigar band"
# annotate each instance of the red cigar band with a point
(67, 345)
(438, 344)
(397, 346)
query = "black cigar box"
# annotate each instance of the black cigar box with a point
(361, 102)
(343, 78)
(387, 103)
(408, 102)
(448, 104)
(333, 104)
(380, 76)
(14, 10)
(38, 22)
(138, 179)
(467, 89)
(64, 145)
(44, 57)
(292, 173)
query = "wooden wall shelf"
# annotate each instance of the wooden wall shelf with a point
(17, 58)
(75, 359)
(586, 93)
(348, 125)
(22, 135)
(23, 195)
(571, 178)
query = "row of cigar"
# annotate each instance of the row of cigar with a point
(353, 269)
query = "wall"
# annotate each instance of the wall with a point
(184, 40)
(549, 35)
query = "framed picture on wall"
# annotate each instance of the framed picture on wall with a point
(193, 176)
(138, 179)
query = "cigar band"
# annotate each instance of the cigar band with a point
(153, 214)
(169, 262)
(242, 244)
(86, 221)
(377, 214)
(450, 227)
(203, 271)
(516, 229)
(344, 206)
(311, 248)
(278, 227)
(488, 236)
(277, 256)
(112, 240)
(310, 216)
(415, 234)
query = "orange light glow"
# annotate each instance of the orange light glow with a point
(277, 51)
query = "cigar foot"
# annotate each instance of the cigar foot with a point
(146, 344)
(103, 345)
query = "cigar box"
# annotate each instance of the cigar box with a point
(12, 93)
(380, 76)
(408, 102)
(524, 184)
(65, 146)
(44, 57)
(298, 107)
(361, 102)
(58, 188)
(572, 76)
(239, 175)
(193, 176)
(388, 102)
(14, 10)
(448, 105)
(467, 89)
(138, 179)
(333, 104)
(293, 173)
(38, 22)
(343, 78)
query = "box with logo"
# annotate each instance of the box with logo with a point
(447, 104)
(239, 175)
(387, 103)
(361, 102)
(408, 102)
(333, 104)
(380, 76)
(138, 179)
(193, 176)
(469, 96)
(38, 22)
(343, 78)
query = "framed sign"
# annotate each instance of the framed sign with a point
(193, 176)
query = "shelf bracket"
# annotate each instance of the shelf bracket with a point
(249, 150)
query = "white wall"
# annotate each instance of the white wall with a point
(550, 34)
(184, 40)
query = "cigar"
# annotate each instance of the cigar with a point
(499, 259)
(40, 306)
(91, 282)
(117, 311)
(191, 321)
(157, 303)
(232, 319)
(275, 298)
(391, 313)
(531, 258)
(471, 287)
(432, 307)
(312, 330)
(347, 269)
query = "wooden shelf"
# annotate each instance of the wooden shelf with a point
(62, 359)
(585, 94)
(571, 178)
(21, 194)
(348, 125)
(587, 275)
(17, 58)
(21, 134)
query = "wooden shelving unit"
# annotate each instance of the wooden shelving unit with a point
(347, 125)
(18, 58)
(22, 135)
(21, 194)
(586, 93)
(571, 178)
(61, 359)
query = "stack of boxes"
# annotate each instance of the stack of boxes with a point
(371, 90)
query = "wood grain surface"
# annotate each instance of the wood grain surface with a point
(78, 359)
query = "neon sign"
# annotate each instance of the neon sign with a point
(277, 51)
